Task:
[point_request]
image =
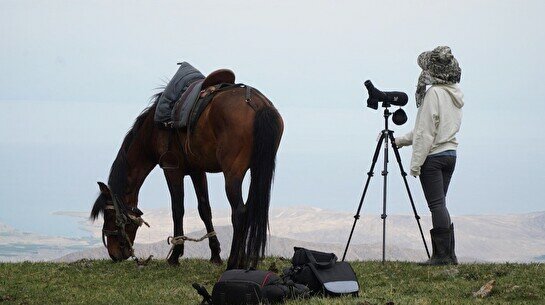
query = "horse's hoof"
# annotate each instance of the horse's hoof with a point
(216, 261)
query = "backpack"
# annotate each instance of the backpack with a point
(321, 273)
(251, 287)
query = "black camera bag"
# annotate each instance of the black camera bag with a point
(321, 273)
(251, 287)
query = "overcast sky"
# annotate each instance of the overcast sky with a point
(75, 74)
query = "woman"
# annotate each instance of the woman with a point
(434, 143)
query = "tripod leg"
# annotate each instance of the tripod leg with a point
(369, 175)
(384, 194)
(404, 175)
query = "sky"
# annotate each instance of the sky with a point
(75, 74)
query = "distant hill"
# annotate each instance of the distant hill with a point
(277, 246)
(492, 238)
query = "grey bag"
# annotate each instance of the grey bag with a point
(322, 273)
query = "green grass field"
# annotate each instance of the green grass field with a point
(104, 282)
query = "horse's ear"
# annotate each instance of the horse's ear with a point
(104, 189)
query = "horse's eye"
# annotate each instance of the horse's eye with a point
(137, 211)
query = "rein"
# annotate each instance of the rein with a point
(124, 216)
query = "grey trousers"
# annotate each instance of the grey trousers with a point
(435, 176)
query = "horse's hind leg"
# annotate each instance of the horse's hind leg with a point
(233, 188)
(175, 181)
(201, 190)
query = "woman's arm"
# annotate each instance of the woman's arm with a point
(405, 140)
(425, 130)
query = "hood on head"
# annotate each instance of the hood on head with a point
(456, 94)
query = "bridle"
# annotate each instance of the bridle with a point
(123, 216)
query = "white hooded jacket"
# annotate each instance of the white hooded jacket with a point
(437, 122)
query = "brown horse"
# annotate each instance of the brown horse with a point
(232, 135)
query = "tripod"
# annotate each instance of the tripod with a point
(386, 135)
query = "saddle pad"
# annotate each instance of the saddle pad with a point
(179, 83)
(186, 103)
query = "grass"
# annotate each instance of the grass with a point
(104, 282)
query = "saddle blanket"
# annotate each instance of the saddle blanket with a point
(186, 104)
(187, 95)
(180, 82)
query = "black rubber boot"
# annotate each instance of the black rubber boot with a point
(452, 246)
(441, 240)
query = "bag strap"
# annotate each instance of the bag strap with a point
(320, 265)
(206, 298)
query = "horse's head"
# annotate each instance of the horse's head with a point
(120, 223)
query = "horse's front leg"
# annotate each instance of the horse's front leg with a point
(175, 181)
(201, 190)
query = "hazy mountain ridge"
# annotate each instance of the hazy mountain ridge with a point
(497, 238)
(277, 246)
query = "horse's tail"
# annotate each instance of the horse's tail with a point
(267, 134)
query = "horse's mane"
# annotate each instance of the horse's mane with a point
(117, 180)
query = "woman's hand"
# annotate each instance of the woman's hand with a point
(398, 143)
(415, 171)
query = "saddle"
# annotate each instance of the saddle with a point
(184, 98)
(189, 107)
